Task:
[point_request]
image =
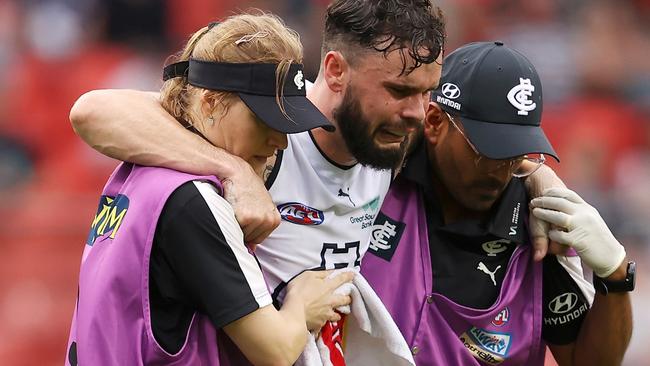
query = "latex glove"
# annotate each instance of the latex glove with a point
(544, 178)
(251, 202)
(586, 231)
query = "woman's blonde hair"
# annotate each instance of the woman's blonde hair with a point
(243, 38)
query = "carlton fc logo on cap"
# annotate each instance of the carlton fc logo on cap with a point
(519, 94)
(451, 91)
(298, 80)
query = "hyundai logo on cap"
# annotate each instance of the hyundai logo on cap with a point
(498, 95)
(450, 90)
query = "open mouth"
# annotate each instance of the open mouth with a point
(392, 136)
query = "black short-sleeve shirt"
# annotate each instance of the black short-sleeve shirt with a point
(478, 252)
(199, 263)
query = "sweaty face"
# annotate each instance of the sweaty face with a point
(382, 107)
(473, 187)
(361, 138)
(241, 133)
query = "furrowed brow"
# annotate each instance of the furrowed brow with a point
(406, 88)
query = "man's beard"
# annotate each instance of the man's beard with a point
(359, 139)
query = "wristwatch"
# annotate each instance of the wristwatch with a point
(604, 286)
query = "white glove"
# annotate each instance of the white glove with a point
(585, 230)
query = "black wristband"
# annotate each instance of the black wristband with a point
(604, 286)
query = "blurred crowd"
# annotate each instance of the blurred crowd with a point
(593, 57)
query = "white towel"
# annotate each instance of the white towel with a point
(371, 335)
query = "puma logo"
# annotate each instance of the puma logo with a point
(481, 267)
(344, 194)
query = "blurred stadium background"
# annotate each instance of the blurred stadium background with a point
(593, 57)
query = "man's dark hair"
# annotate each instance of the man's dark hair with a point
(413, 26)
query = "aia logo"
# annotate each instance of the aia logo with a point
(502, 317)
(300, 214)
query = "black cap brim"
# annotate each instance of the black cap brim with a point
(303, 114)
(505, 141)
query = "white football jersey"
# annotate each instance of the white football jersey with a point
(327, 213)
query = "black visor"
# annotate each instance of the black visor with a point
(256, 85)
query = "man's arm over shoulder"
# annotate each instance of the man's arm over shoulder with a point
(132, 125)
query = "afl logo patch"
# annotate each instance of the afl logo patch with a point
(300, 214)
(502, 317)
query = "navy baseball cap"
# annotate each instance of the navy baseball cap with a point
(498, 95)
(256, 84)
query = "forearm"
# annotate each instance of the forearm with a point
(294, 323)
(271, 337)
(609, 322)
(132, 126)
